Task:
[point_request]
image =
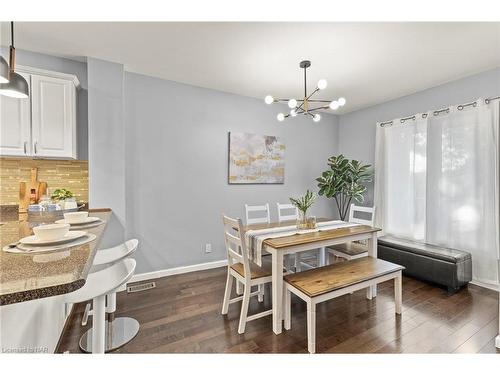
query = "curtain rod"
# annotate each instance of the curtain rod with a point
(439, 111)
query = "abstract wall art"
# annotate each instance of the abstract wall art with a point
(256, 159)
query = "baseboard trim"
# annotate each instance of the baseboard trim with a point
(494, 287)
(177, 270)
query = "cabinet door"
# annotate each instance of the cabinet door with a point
(15, 125)
(53, 117)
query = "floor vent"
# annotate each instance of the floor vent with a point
(141, 287)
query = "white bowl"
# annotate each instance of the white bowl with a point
(76, 217)
(51, 231)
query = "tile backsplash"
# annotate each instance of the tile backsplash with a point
(69, 174)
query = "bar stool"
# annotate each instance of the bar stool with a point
(97, 286)
(119, 331)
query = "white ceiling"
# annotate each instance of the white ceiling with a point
(367, 63)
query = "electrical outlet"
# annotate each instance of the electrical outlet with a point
(208, 248)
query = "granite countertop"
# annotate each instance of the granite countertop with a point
(25, 277)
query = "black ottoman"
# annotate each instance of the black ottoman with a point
(448, 267)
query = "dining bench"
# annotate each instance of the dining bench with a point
(325, 283)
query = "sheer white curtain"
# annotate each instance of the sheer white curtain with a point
(400, 174)
(461, 181)
(437, 182)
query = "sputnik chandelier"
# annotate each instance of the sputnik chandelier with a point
(301, 106)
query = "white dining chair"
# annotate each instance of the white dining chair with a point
(240, 268)
(288, 212)
(264, 218)
(355, 249)
(283, 209)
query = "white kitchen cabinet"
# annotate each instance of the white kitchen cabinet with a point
(15, 125)
(53, 117)
(44, 125)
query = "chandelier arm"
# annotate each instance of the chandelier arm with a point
(319, 101)
(315, 109)
(314, 92)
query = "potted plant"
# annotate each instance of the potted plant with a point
(344, 181)
(60, 196)
(303, 204)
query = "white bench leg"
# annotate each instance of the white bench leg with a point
(288, 308)
(311, 327)
(398, 292)
(260, 296)
(227, 293)
(244, 308)
(369, 293)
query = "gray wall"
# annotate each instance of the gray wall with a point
(357, 129)
(107, 145)
(58, 64)
(177, 160)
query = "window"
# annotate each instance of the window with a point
(436, 181)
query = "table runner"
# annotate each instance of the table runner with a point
(255, 237)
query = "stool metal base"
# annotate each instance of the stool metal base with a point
(118, 332)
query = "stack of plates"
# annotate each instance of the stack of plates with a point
(35, 241)
(33, 244)
(89, 222)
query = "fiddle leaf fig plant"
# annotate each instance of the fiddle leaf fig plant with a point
(344, 181)
(305, 202)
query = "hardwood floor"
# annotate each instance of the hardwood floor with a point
(182, 314)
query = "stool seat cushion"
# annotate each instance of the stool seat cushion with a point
(340, 275)
(103, 282)
(114, 254)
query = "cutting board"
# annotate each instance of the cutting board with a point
(30, 192)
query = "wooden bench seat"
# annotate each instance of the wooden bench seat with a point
(324, 283)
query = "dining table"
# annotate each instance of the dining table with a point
(280, 246)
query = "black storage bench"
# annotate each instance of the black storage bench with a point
(448, 267)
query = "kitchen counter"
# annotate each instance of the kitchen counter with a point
(25, 277)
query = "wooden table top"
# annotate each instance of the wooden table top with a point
(340, 275)
(323, 235)
(301, 239)
(25, 277)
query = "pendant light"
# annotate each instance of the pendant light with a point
(301, 106)
(17, 87)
